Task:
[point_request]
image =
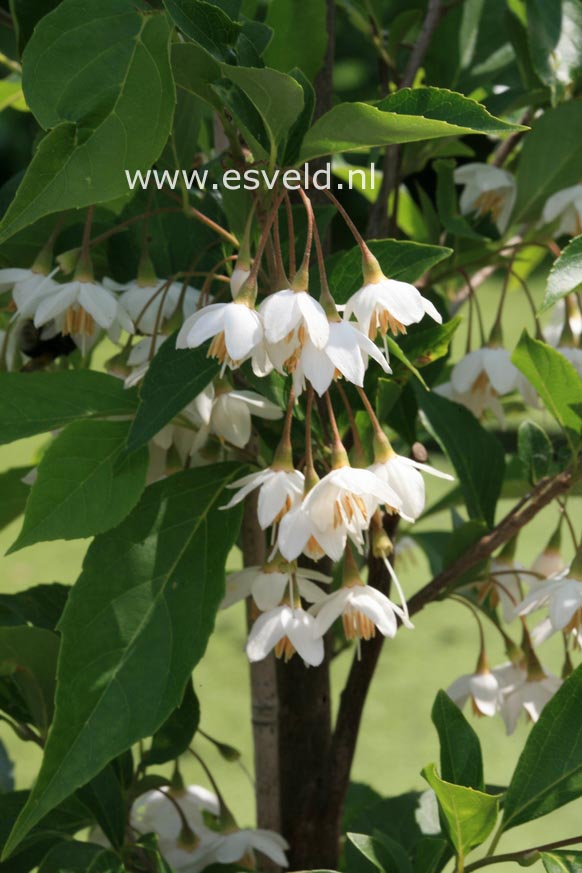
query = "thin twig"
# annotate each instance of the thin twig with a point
(522, 854)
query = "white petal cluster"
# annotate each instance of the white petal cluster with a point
(562, 594)
(481, 377)
(487, 190)
(153, 812)
(150, 305)
(565, 208)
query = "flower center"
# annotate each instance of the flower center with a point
(348, 506)
(357, 625)
(482, 384)
(384, 321)
(490, 202)
(285, 649)
(78, 321)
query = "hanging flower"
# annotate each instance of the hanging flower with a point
(481, 688)
(287, 629)
(226, 413)
(386, 305)
(488, 190)
(403, 476)
(240, 845)
(563, 597)
(481, 377)
(506, 576)
(290, 316)
(150, 304)
(268, 585)
(565, 207)
(279, 491)
(521, 692)
(140, 357)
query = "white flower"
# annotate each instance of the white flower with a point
(567, 206)
(483, 375)
(279, 491)
(237, 280)
(388, 305)
(226, 413)
(287, 312)
(402, 475)
(140, 356)
(549, 563)
(239, 845)
(28, 288)
(518, 692)
(236, 329)
(563, 596)
(268, 585)
(363, 609)
(76, 307)
(481, 688)
(488, 190)
(287, 630)
(154, 812)
(426, 813)
(147, 304)
(346, 352)
(339, 505)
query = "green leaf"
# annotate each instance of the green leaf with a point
(303, 122)
(548, 162)
(28, 655)
(549, 771)
(555, 380)
(469, 815)
(174, 378)
(6, 771)
(300, 35)
(399, 259)
(109, 104)
(467, 444)
(14, 494)
(277, 97)
(207, 25)
(562, 862)
(32, 403)
(86, 484)
(555, 35)
(11, 95)
(76, 857)
(103, 796)
(461, 758)
(535, 451)
(175, 735)
(26, 14)
(135, 625)
(70, 817)
(565, 275)
(424, 346)
(410, 115)
(431, 855)
(385, 854)
(41, 605)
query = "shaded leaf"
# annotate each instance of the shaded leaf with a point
(14, 494)
(300, 35)
(207, 25)
(40, 605)
(562, 862)
(28, 657)
(174, 378)
(175, 735)
(555, 35)
(76, 857)
(535, 451)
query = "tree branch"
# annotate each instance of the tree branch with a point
(544, 492)
(522, 855)
(433, 15)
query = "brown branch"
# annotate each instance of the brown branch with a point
(544, 492)
(352, 700)
(523, 854)
(433, 15)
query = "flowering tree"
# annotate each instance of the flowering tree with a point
(266, 367)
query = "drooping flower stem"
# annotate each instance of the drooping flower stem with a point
(482, 662)
(291, 235)
(281, 279)
(308, 445)
(226, 816)
(358, 447)
(337, 440)
(252, 279)
(325, 296)
(354, 230)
